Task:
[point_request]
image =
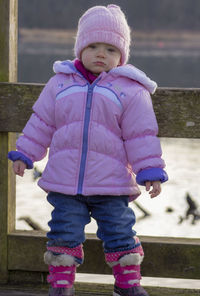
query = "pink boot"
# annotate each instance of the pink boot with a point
(62, 268)
(126, 270)
(61, 279)
(127, 280)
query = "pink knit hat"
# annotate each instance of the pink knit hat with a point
(103, 24)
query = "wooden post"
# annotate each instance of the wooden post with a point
(8, 72)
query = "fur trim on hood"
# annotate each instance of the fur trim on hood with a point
(134, 73)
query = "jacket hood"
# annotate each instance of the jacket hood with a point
(66, 67)
(134, 73)
(128, 71)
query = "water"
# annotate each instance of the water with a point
(175, 69)
(170, 61)
(167, 71)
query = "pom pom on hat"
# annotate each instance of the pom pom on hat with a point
(106, 25)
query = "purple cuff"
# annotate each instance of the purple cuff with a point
(151, 174)
(16, 155)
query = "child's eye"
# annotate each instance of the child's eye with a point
(92, 46)
(111, 49)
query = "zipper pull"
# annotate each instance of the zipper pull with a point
(89, 98)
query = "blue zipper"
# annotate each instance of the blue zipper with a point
(85, 136)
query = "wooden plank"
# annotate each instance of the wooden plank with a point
(8, 72)
(8, 40)
(7, 199)
(177, 258)
(101, 289)
(172, 259)
(16, 105)
(89, 290)
(7, 185)
(177, 110)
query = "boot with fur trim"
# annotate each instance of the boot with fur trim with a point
(126, 270)
(127, 276)
(61, 276)
(62, 268)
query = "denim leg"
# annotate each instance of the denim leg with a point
(69, 217)
(115, 220)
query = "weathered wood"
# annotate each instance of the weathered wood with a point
(177, 110)
(90, 290)
(7, 199)
(101, 289)
(7, 185)
(8, 40)
(164, 257)
(172, 259)
(8, 72)
(16, 105)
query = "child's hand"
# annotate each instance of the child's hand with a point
(19, 167)
(156, 188)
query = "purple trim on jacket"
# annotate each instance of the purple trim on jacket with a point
(151, 174)
(16, 155)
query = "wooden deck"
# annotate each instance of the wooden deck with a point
(91, 290)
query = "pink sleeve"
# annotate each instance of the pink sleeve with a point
(139, 131)
(39, 129)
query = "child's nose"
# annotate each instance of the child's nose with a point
(101, 52)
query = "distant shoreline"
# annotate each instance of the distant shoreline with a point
(153, 39)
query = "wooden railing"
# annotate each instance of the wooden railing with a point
(21, 252)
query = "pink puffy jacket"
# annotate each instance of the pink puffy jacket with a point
(99, 134)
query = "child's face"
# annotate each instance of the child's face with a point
(100, 57)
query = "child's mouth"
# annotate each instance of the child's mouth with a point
(99, 64)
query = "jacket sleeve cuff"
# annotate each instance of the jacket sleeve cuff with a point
(16, 155)
(151, 174)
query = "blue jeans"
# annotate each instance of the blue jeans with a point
(71, 213)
